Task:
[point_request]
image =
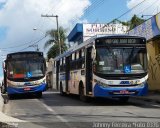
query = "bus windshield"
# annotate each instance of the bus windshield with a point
(25, 68)
(113, 60)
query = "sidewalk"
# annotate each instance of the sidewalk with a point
(5, 118)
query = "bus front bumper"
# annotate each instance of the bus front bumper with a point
(26, 89)
(100, 91)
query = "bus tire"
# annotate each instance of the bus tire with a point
(3, 91)
(61, 90)
(123, 99)
(39, 94)
(82, 97)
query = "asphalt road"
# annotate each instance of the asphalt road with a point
(58, 111)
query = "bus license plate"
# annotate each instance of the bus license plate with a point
(27, 89)
(124, 92)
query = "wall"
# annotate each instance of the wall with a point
(49, 73)
(153, 48)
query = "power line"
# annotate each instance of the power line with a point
(34, 43)
(89, 10)
(17, 45)
(93, 7)
(148, 7)
(155, 11)
(40, 24)
(129, 10)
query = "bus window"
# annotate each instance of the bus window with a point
(82, 52)
(73, 56)
(77, 55)
(64, 60)
(16, 70)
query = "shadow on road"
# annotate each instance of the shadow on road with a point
(53, 98)
(18, 97)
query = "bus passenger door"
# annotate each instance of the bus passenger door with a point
(88, 70)
(67, 72)
(57, 74)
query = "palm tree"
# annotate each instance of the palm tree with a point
(53, 42)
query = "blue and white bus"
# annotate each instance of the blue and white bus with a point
(104, 66)
(24, 72)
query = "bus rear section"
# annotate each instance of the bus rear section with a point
(24, 73)
(120, 67)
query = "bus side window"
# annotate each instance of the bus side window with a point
(54, 67)
(79, 62)
(64, 63)
(83, 58)
(61, 65)
(72, 61)
(83, 63)
(82, 52)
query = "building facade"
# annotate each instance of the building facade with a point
(49, 74)
(82, 32)
(150, 29)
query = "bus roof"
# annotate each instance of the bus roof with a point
(91, 40)
(17, 54)
(24, 52)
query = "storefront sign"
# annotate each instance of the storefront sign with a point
(90, 30)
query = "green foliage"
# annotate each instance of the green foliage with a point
(54, 44)
(135, 21)
(54, 50)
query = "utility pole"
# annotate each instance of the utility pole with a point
(59, 43)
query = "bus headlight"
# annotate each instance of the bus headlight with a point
(44, 81)
(142, 84)
(102, 84)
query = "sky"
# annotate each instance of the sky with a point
(18, 18)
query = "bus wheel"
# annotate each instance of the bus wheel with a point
(39, 94)
(123, 99)
(3, 91)
(82, 97)
(61, 90)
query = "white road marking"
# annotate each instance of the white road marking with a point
(53, 112)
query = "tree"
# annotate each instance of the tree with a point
(135, 21)
(54, 44)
